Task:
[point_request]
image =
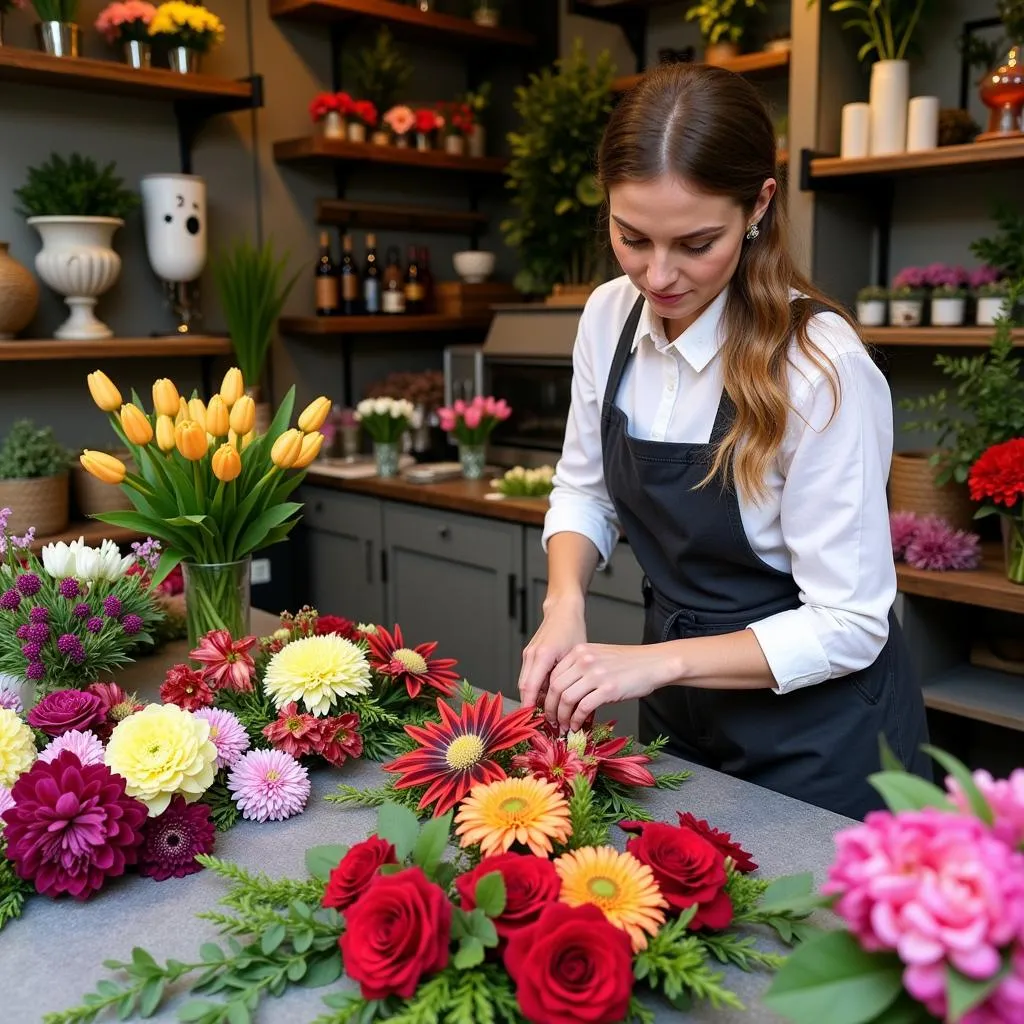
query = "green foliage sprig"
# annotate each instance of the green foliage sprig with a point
(1004, 250)
(888, 24)
(724, 20)
(75, 187)
(30, 452)
(379, 73)
(56, 10)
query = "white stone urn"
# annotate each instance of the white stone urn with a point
(78, 261)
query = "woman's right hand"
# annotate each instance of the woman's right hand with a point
(564, 626)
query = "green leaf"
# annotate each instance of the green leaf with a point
(108, 989)
(890, 762)
(149, 999)
(322, 860)
(323, 972)
(977, 802)
(256, 531)
(272, 938)
(195, 1010)
(792, 894)
(129, 520)
(296, 970)
(965, 993)
(431, 843)
(832, 979)
(399, 826)
(490, 894)
(144, 962)
(302, 940)
(904, 1011)
(238, 1013)
(905, 792)
(470, 953)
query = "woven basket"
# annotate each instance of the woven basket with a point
(41, 502)
(912, 488)
(92, 496)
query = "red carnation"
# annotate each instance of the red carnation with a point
(185, 687)
(356, 870)
(338, 738)
(998, 474)
(296, 733)
(721, 841)
(326, 624)
(396, 933)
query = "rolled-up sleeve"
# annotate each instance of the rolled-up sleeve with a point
(579, 502)
(835, 524)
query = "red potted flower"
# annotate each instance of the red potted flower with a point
(362, 114)
(328, 109)
(427, 123)
(458, 126)
(997, 478)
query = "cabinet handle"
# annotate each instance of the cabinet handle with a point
(522, 611)
(444, 533)
(369, 561)
(513, 592)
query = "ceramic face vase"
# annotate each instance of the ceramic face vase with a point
(174, 211)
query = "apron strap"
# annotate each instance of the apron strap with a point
(623, 351)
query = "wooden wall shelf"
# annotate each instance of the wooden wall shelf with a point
(407, 20)
(92, 530)
(936, 337)
(979, 694)
(29, 67)
(744, 64)
(316, 148)
(113, 348)
(985, 587)
(380, 324)
(347, 213)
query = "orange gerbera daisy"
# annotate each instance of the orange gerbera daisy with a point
(413, 666)
(528, 811)
(457, 753)
(619, 884)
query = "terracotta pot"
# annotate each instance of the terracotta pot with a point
(721, 53)
(19, 295)
(912, 488)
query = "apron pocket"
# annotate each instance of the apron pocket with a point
(872, 682)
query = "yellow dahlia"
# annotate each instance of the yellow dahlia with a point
(317, 670)
(160, 751)
(619, 884)
(17, 748)
(528, 811)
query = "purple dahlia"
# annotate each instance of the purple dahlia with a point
(172, 840)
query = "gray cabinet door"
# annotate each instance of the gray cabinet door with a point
(344, 538)
(457, 579)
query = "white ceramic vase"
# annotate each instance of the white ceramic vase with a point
(78, 261)
(174, 215)
(888, 98)
(334, 125)
(905, 312)
(871, 313)
(947, 312)
(989, 308)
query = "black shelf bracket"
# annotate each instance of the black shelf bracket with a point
(192, 115)
(632, 21)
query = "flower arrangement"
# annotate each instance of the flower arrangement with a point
(988, 282)
(362, 110)
(873, 293)
(325, 103)
(929, 542)
(472, 422)
(189, 25)
(428, 121)
(553, 925)
(126, 20)
(998, 478)
(931, 894)
(945, 281)
(71, 614)
(909, 283)
(210, 488)
(400, 119)
(385, 419)
(525, 483)
(457, 118)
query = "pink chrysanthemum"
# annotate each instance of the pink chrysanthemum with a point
(269, 785)
(936, 545)
(228, 735)
(86, 746)
(902, 530)
(11, 700)
(173, 839)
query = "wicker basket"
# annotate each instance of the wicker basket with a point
(912, 488)
(92, 496)
(42, 502)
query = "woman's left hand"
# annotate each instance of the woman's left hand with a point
(592, 675)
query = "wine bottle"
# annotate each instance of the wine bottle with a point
(392, 298)
(371, 277)
(414, 291)
(326, 280)
(349, 273)
(427, 280)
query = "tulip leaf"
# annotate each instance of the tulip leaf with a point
(169, 558)
(128, 519)
(254, 533)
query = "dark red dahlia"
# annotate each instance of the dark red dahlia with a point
(172, 840)
(326, 624)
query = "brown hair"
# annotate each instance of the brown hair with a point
(708, 126)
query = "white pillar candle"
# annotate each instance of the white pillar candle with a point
(922, 123)
(856, 130)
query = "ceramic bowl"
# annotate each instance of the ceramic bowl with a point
(473, 265)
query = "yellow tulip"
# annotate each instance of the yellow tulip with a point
(103, 391)
(248, 439)
(243, 415)
(311, 445)
(103, 466)
(197, 411)
(286, 449)
(182, 414)
(314, 415)
(166, 401)
(135, 425)
(165, 433)
(226, 463)
(217, 417)
(232, 387)
(190, 439)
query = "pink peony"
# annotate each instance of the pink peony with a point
(937, 888)
(1004, 796)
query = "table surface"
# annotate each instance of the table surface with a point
(53, 955)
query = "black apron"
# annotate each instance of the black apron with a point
(702, 578)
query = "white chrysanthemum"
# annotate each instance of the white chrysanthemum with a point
(59, 560)
(161, 751)
(17, 747)
(317, 670)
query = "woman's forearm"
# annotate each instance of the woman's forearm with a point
(731, 661)
(572, 559)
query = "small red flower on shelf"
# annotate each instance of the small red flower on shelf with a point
(366, 111)
(428, 121)
(998, 474)
(329, 102)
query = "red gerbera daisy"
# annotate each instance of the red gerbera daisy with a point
(411, 665)
(186, 688)
(457, 753)
(554, 761)
(294, 732)
(722, 841)
(338, 738)
(227, 664)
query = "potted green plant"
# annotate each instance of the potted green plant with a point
(1004, 249)
(723, 23)
(378, 73)
(563, 111)
(990, 293)
(478, 101)
(76, 206)
(34, 479)
(250, 282)
(871, 305)
(57, 31)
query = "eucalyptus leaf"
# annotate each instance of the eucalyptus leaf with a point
(322, 860)
(399, 826)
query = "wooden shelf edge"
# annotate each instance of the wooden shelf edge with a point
(985, 587)
(314, 326)
(44, 350)
(744, 64)
(981, 694)
(346, 213)
(936, 337)
(315, 147)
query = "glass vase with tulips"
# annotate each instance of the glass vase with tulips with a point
(207, 485)
(472, 423)
(385, 420)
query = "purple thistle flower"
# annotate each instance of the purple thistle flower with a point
(35, 670)
(69, 588)
(23, 632)
(39, 614)
(81, 610)
(132, 624)
(39, 631)
(112, 606)
(32, 650)
(29, 584)
(10, 600)
(95, 624)
(71, 647)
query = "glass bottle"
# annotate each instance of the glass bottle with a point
(427, 280)
(392, 299)
(371, 277)
(349, 274)
(326, 280)
(414, 291)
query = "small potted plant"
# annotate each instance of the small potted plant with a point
(34, 479)
(378, 73)
(871, 305)
(328, 109)
(385, 419)
(76, 207)
(457, 119)
(990, 290)
(478, 100)
(906, 297)
(188, 31)
(428, 124)
(401, 120)
(723, 24)
(126, 23)
(361, 115)
(472, 423)
(948, 294)
(57, 31)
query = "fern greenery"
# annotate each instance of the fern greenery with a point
(75, 187)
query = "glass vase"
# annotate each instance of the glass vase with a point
(1013, 548)
(387, 454)
(473, 458)
(217, 596)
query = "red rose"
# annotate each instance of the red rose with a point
(531, 883)
(571, 964)
(355, 870)
(689, 870)
(63, 710)
(396, 932)
(721, 841)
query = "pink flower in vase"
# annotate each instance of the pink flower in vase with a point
(472, 417)
(446, 419)
(127, 20)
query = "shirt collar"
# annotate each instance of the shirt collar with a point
(698, 344)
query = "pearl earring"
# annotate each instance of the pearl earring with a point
(753, 231)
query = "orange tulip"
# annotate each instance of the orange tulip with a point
(311, 445)
(103, 391)
(197, 411)
(165, 397)
(182, 413)
(165, 433)
(103, 466)
(232, 387)
(217, 417)
(286, 449)
(314, 415)
(226, 463)
(243, 415)
(190, 439)
(135, 424)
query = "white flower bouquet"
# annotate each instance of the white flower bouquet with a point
(385, 419)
